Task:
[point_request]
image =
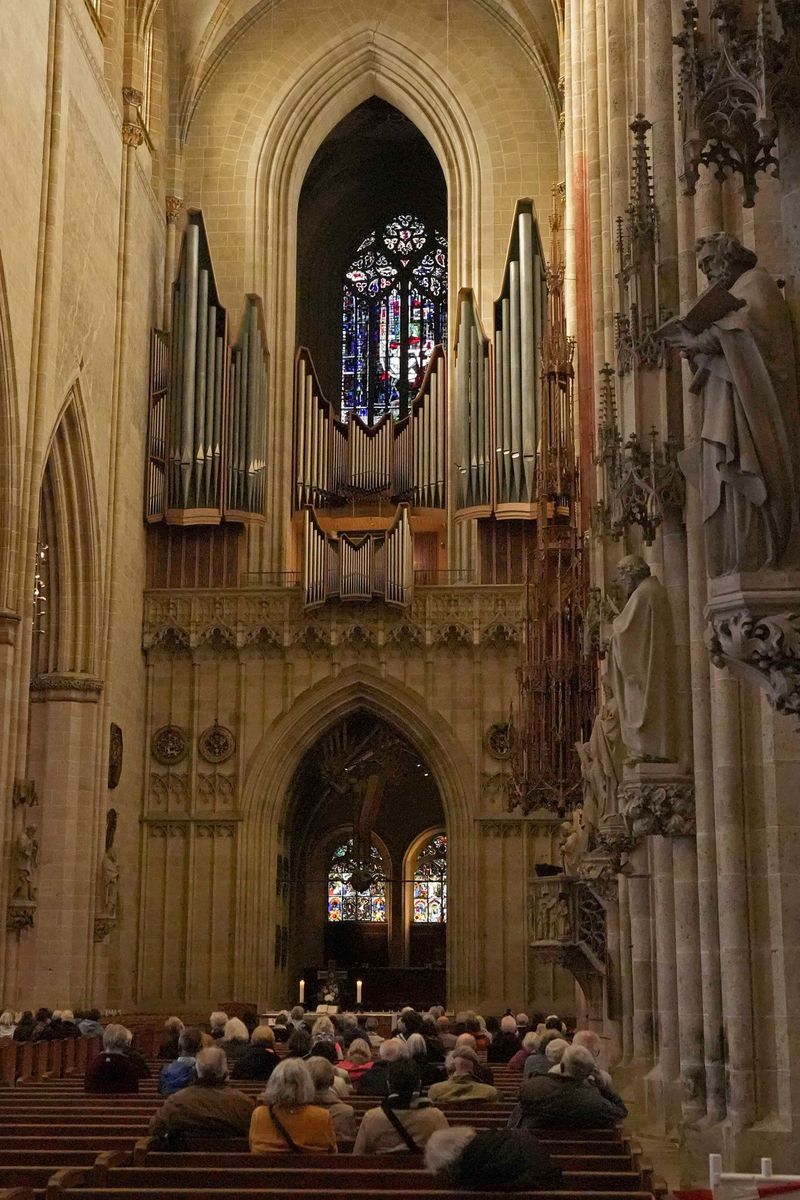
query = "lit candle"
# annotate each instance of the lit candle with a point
(302, 990)
(358, 991)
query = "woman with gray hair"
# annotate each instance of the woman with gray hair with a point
(325, 1096)
(288, 1120)
(235, 1041)
(113, 1071)
(496, 1159)
(217, 1022)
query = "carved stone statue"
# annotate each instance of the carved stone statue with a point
(26, 864)
(545, 903)
(746, 465)
(641, 665)
(574, 843)
(110, 879)
(562, 920)
(601, 762)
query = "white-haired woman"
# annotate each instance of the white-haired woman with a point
(375, 1082)
(174, 1027)
(235, 1039)
(217, 1022)
(7, 1025)
(288, 1120)
(530, 1043)
(323, 1030)
(113, 1070)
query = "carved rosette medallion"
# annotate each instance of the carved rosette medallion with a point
(498, 740)
(216, 744)
(169, 745)
(658, 808)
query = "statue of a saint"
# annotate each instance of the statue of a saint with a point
(746, 464)
(641, 660)
(26, 863)
(110, 878)
(574, 843)
(601, 762)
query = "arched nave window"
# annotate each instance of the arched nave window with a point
(429, 882)
(394, 311)
(344, 902)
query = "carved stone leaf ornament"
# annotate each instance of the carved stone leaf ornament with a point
(666, 809)
(761, 650)
(498, 740)
(169, 745)
(216, 744)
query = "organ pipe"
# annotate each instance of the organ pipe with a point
(473, 419)
(357, 565)
(207, 420)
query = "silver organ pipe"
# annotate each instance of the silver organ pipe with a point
(208, 402)
(428, 422)
(398, 583)
(320, 442)
(518, 331)
(355, 567)
(316, 565)
(473, 419)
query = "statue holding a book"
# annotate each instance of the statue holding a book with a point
(739, 340)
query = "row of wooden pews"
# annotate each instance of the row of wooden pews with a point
(57, 1143)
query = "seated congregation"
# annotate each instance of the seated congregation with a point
(470, 1104)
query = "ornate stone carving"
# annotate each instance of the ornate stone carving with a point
(739, 341)
(498, 740)
(641, 665)
(659, 808)
(103, 926)
(20, 916)
(551, 916)
(215, 829)
(754, 631)
(173, 205)
(132, 97)
(601, 762)
(216, 744)
(501, 829)
(574, 843)
(168, 829)
(164, 788)
(54, 686)
(26, 866)
(132, 134)
(24, 794)
(215, 787)
(115, 748)
(732, 93)
(169, 745)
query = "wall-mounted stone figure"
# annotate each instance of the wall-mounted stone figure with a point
(601, 762)
(746, 462)
(26, 865)
(642, 665)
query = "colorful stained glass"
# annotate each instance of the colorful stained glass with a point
(430, 882)
(394, 311)
(344, 902)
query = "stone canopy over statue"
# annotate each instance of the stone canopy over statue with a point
(739, 340)
(642, 666)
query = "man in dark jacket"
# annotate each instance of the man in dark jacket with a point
(538, 1063)
(571, 1096)
(208, 1108)
(496, 1159)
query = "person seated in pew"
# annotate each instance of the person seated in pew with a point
(280, 1028)
(68, 1027)
(209, 1107)
(483, 1073)
(250, 1018)
(168, 1049)
(434, 1047)
(404, 1120)
(216, 1023)
(259, 1059)
(538, 1063)
(288, 1119)
(376, 1081)
(325, 1096)
(43, 1026)
(462, 1083)
(430, 1072)
(235, 1041)
(296, 1016)
(341, 1080)
(113, 1071)
(530, 1043)
(89, 1025)
(7, 1025)
(24, 1027)
(358, 1059)
(182, 1072)
(570, 1096)
(447, 1038)
(592, 1042)
(505, 1042)
(555, 1022)
(371, 1031)
(323, 1030)
(523, 1025)
(492, 1159)
(299, 1044)
(555, 1050)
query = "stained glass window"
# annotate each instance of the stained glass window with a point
(344, 902)
(430, 882)
(394, 311)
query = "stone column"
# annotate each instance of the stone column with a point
(668, 1069)
(641, 959)
(625, 970)
(689, 979)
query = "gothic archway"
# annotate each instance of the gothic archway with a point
(267, 796)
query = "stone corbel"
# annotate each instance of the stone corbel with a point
(103, 926)
(9, 622)
(24, 793)
(657, 799)
(20, 915)
(754, 631)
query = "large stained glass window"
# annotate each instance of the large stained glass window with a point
(344, 902)
(430, 882)
(394, 312)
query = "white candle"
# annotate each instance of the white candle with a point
(302, 990)
(358, 991)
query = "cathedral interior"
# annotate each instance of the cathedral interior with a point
(400, 522)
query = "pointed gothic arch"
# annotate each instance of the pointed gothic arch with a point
(66, 642)
(266, 795)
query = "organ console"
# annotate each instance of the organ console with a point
(207, 416)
